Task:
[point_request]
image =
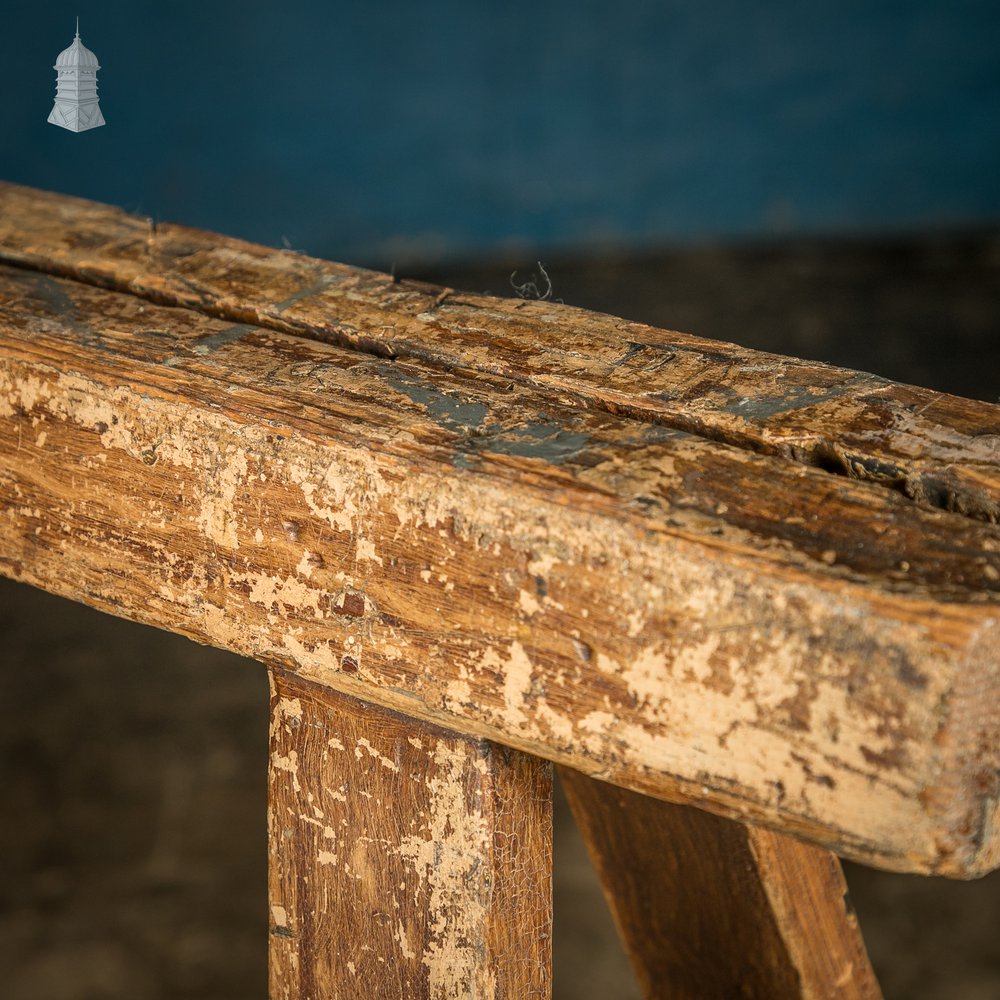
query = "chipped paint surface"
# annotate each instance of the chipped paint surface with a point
(446, 854)
(643, 642)
(411, 874)
(941, 450)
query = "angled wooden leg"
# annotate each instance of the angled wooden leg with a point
(405, 860)
(711, 909)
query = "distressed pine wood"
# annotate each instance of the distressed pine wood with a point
(938, 449)
(710, 909)
(406, 861)
(669, 612)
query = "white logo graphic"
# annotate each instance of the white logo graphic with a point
(76, 106)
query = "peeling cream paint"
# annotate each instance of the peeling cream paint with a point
(447, 855)
(364, 744)
(305, 567)
(288, 762)
(597, 723)
(560, 726)
(459, 693)
(365, 551)
(636, 622)
(216, 518)
(528, 604)
(516, 669)
(681, 721)
(290, 594)
(403, 940)
(290, 708)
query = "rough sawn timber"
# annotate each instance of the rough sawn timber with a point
(938, 449)
(709, 909)
(405, 861)
(680, 616)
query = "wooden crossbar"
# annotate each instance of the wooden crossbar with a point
(766, 586)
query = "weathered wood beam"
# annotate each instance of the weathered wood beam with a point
(709, 909)
(406, 861)
(679, 616)
(935, 448)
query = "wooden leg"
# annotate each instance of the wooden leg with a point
(405, 860)
(710, 908)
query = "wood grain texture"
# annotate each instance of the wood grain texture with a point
(938, 449)
(710, 909)
(406, 861)
(675, 614)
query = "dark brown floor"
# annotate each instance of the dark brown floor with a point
(132, 762)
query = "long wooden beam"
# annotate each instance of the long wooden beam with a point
(938, 449)
(677, 615)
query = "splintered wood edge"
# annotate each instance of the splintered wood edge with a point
(934, 448)
(514, 600)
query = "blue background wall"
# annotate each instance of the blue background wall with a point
(393, 131)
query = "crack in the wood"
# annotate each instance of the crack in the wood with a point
(822, 453)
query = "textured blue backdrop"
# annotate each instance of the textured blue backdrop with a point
(390, 130)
